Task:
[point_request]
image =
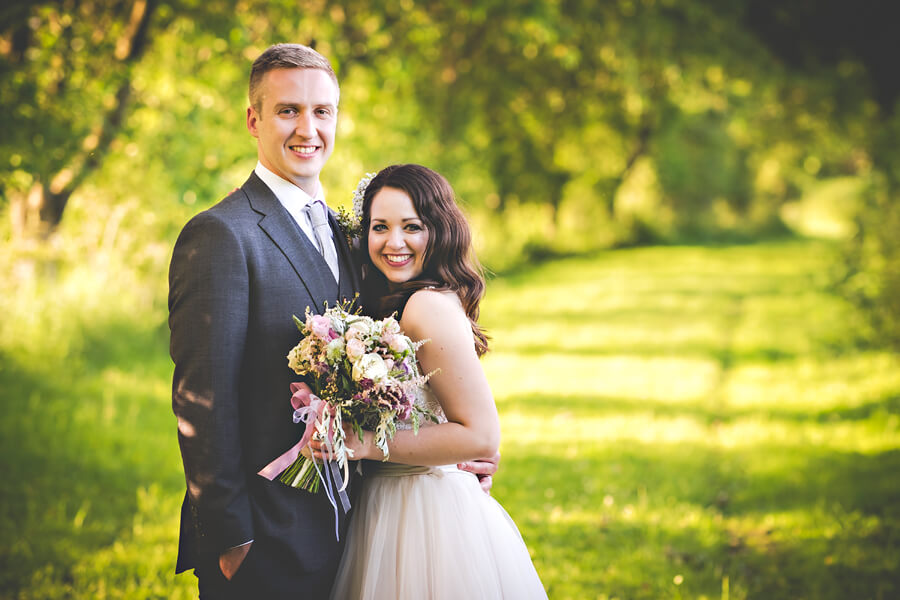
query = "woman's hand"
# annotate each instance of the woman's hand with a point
(360, 449)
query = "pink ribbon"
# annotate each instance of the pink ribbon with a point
(307, 409)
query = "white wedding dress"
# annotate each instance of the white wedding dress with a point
(431, 533)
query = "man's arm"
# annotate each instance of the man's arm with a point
(208, 306)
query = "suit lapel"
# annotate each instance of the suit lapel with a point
(280, 227)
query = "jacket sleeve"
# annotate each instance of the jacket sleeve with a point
(208, 312)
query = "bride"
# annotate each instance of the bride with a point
(421, 528)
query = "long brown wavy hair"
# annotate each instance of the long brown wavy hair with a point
(449, 261)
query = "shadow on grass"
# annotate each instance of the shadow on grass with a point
(890, 404)
(77, 446)
(710, 413)
(634, 515)
(537, 254)
(646, 477)
(857, 559)
(716, 352)
(809, 476)
(748, 479)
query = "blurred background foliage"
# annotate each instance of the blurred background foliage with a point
(565, 126)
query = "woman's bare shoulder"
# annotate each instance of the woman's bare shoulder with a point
(429, 308)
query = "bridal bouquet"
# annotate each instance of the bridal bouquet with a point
(362, 372)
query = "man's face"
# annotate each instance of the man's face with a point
(295, 125)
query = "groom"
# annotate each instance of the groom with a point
(239, 271)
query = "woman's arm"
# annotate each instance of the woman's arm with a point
(460, 385)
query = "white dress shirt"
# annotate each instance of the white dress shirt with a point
(293, 199)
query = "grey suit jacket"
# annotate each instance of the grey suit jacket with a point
(239, 271)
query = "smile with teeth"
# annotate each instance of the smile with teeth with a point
(397, 258)
(304, 149)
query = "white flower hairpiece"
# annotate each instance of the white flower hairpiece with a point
(360, 193)
(352, 221)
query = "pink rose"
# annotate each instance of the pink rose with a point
(320, 327)
(398, 343)
(391, 326)
(355, 349)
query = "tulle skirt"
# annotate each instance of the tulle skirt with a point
(432, 533)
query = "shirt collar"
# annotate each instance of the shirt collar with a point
(291, 196)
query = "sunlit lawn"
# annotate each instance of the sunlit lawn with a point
(695, 422)
(678, 422)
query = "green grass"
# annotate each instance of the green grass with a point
(677, 422)
(683, 421)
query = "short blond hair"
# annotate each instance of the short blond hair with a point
(286, 56)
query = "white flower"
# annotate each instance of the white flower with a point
(357, 329)
(370, 366)
(337, 323)
(334, 349)
(295, 360)
(360, 193)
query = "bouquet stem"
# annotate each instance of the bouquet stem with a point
(301, 474)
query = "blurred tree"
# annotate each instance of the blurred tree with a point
(541, 93)
(66, 69)
(702, 172)
(821, 38)
(545, 103)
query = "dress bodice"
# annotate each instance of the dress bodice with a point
(426, 399)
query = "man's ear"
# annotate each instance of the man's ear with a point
(252, 119)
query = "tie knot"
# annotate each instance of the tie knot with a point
(317, 213)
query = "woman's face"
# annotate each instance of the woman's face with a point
(397, 236)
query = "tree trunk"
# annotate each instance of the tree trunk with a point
(608, 188)
(51, 207)
(39, 212)
(559, 179)
(30, 212)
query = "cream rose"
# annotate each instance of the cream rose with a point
(370, 366)
(357, 329)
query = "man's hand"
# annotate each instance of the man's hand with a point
(484, 468)
(230, 560)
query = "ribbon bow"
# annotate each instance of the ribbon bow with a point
(307, 409)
